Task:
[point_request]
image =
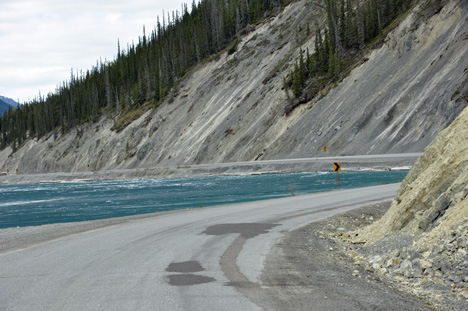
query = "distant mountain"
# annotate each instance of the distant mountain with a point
(6, 103)
(9, 101)
(3, 107)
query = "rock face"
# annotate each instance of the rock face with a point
(433, 199)
(422, 241)
(232, 107)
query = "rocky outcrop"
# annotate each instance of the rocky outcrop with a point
(434, 196)
(436, 273)
(231, 108)
(422, 241)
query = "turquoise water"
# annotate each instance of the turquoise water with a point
(32, 205)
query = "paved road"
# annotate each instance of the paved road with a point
(366, 159)
(201, 259)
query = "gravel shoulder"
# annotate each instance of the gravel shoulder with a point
(310, 270)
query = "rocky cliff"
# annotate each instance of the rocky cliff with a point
(421, 242)
(433, 199)
(231, 108)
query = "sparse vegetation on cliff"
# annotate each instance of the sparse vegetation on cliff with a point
(351, 26)
(395, 99)
(142, 72)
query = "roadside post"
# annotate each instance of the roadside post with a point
(337, 169)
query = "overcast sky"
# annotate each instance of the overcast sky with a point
(41, 40)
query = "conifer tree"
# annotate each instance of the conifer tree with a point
(147, 71)
(350, 25)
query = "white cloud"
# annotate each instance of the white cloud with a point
(42, 40)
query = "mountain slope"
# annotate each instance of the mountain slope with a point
(6, 103)
(3, 107)
(400, 98)
(232, 107)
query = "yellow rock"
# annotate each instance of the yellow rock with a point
(434, 186)
(438, 281)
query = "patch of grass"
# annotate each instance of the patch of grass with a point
(254, 37)
(273, 29)
(128, 116)
(264, 42)
(285, 27)
(281, 65)
(234, 62)
(233, 48)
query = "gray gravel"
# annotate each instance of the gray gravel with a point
(309, 271)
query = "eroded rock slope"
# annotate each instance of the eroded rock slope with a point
(422, 241)
(232, 107)
(434, 196)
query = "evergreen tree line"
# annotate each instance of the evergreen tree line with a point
(350, 26)
(141, 73)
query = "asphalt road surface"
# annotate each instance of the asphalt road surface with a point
(199, 259)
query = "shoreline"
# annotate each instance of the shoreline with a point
(19, 237)
(285, 166)
(16, 238)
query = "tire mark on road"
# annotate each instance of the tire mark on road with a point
(248, 231)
